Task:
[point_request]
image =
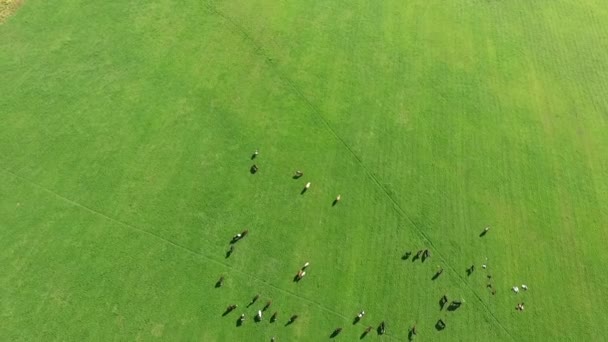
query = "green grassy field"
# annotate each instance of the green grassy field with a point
(126, 130)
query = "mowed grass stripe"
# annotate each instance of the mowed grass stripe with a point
(316, 111)
(259, 49)
(505, 111)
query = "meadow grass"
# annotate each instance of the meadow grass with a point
(125, 143)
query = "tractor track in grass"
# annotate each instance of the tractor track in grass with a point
(259, 49)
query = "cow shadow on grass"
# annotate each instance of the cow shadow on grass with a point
(411, 334)
(442, 303)
(440, 325)
(453, 307)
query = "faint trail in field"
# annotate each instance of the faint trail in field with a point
(258, 49)
(18, 167)
(178, 246)
(169, 242)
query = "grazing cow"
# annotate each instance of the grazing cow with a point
(229, 309)
(244, 233)
(358, 317)
(293, 318)
(470, 270)
(305, 265)
(425, 255)
(307, 185)
(337, 200)
(381, 328)
(443, 300)
(273, 317)
(298, 174)
(454, 305)
(220, 282)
